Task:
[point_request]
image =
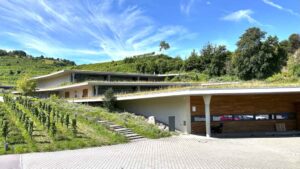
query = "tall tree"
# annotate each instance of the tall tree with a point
(294, 41)
(163, 45)
(26, 86)
(258, 59)
(109, 99)
(193, 62)
(213, 59)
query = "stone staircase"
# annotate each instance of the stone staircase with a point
(129, 134)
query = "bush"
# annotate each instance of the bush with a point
(109, 100)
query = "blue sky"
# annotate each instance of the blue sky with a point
(89, 31)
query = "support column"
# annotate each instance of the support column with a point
(108, 78)
(73, 77)
(96, 92)
(207, 99)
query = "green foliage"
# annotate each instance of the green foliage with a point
(147, 63)
(26, 86)
(67, 120)
(137, 123)
(21, 112)
(53, 129)
(110, 99)
(258, 59)
(294, 42)
(16, 64)
(5, 129)
(74, 126)
(163, 45)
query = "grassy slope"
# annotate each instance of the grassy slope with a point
(13, 67)
(114, 66)
(137, 123)
(88, 135)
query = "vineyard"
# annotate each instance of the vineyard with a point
(30, 125)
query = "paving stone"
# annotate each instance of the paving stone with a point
(177, 152)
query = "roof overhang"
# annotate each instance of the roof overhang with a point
(200, 92)
(111, 83)
(63, 72)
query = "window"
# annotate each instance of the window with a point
(194, 108)
(85, 93)
(285, 116)
(262, 117)
(198, 118)
(243, 117)
(67, 94)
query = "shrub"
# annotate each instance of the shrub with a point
(5, 130)
(109, 100)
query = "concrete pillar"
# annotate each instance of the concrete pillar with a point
(207, 99)
(138, 88)
(96, 92)
(73, 78)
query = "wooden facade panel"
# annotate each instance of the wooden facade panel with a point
(297, 105)
(247, 104)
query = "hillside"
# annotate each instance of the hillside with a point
(146, 63)
(32, 125)
(15, 64)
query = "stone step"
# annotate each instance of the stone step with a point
(135, 137)
(131, 135)
(114, 126)
(100, 121)
(130, 132)
(122, 129)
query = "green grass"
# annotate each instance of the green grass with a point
(114, 66)
(13, 67)
(137, 123)
(89, 134)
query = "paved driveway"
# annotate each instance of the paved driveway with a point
(186, 151)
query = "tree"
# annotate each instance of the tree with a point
(5, 130)
(74, 126)
(193, 62)
(213, 59)
(258, 59)
(67, 120)
(163, 45)
(109, 99)
(294, 40)
(53, 129)
(26, 86)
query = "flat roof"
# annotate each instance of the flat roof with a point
(64, 72)
(112, 83)
(199, 92)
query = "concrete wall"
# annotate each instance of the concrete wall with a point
(53, 82)
(162, 108)
(79, 91)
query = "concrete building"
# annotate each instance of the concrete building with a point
(191, 109)
(84, 84)
(198, 111)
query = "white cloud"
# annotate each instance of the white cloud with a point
(269, 2)
(89, 28)
(241, 15)
(185, 7)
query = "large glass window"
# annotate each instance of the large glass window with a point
(245, 117)
(262, 117)
(198, 118)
